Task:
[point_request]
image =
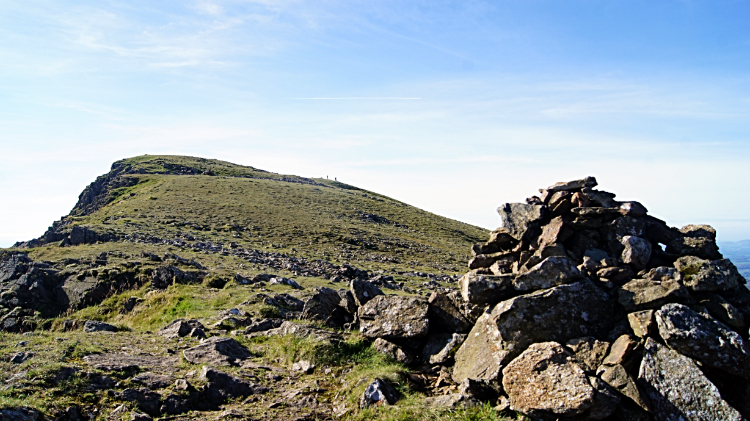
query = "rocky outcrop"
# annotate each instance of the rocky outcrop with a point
(217, 351)
(394, 317)
(574, 266)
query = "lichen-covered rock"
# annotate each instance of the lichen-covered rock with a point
(394, 317)
(636, 251)
(619, 378)
(677, 388)
(556, 314)
(486, 289)
(589, 352)
(97, 326)
(440, 347)
(646, 294)
(444, 316)
(696, 240)
(699, 337)
(546, 381)
(392, 350)
(642, 323)
(517, 218)
(218, 351)
(551, 272)
(363, 291)
(708, 275)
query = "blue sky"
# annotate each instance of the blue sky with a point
(455, 107)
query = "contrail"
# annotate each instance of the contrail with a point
(358, 98)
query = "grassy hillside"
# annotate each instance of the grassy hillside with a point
(311, 218)
(222, 225)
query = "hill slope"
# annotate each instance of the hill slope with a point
(191, 199)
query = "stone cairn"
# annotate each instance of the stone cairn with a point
(583, 307)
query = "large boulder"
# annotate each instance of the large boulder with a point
(221, 386)
(444, 316)
(363, 291)
(647, 294)
(392, 350)
(700, 337)
(486, 289)
(179, 328)
(394, 317)
(551, 272)
(556, 314)
(636, 251)
(678, 389)
(440, 347)
(518, 218)
(708, 275)
(218, 351)
(320, 304)
(695, 240)
(545, 381)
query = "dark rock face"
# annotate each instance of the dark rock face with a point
(320, 304)
(678, 389)
(216, 350)
(708, 275)
(394, 317)
(392, 350)
(28, 286)
(164, 276)
(444, 316)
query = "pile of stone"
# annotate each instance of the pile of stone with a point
(594, 309)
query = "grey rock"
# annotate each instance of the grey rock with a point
(284, 281)
(444, 316)
(551, 272)
(146, 400)
(704, 339)
(263, 325)
(636, 251)
(304, 331)
(678, 389)
(96, 326)
(394, 317)
(606, 400)
(646, 294)
(392, 350)
(545, 381)
(164, 276)
(348, 302)
(486, 289)
(153, 380)
(304, 366)
(708, 275)
(378, 393)
(619, 378)
(441, 347)
(514, 324)
(589, 352)
(222, 386)
(363, 291)
(321, 304)
(216, 350)
(722, 310)
(175, 404)
(589, 182)
(20, 357)
(179, 328)
(518, 218)
(452, 401)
